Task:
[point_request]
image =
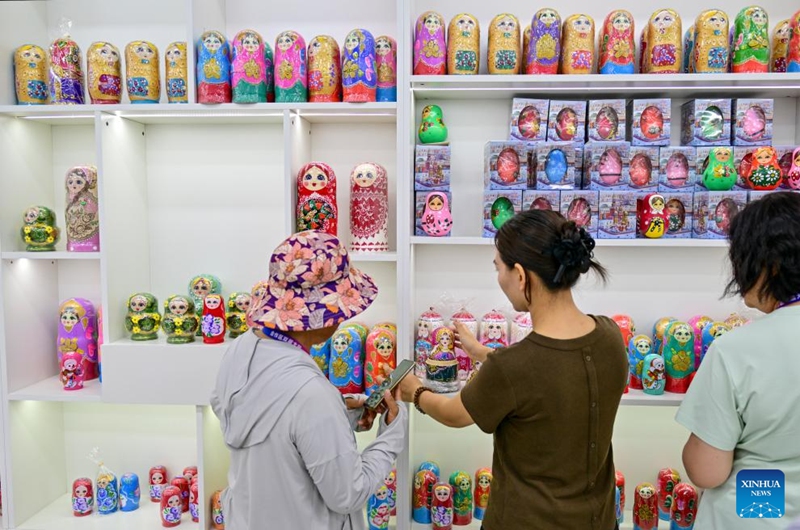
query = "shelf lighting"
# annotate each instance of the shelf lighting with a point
(337, 114)
(127, 114)
(601, 88)
(57, 116)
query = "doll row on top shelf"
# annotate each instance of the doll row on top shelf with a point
(549, 47)
(382, 505)
(444, 504)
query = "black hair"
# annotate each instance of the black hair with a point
(765, 243)
(546, 244)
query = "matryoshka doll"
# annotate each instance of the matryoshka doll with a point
(213, 323)
(521, 327)
(639, 347)
(71, 375)
(346, 364)
(707, 337)
(620, 482)
(668, 478)
(291, 78)
(684, 507)
(662, 46)
(82, 497)
(653, 375)
(436, 218)
(321, 354)
(793, 175)
(442, 507)
(359, 78)
(77, 334)
(526, 45)
(158, 481)
(626, 327)
(378, 509)
(143, 318)
(462, 498)
(104, 73)
(711, 42)
(577, 48)
(180, 321)
(66, 73)
(194, 507)
(248, 68)
(189, 472)
(736, 320)
(129, 494)
(381, 352)
(391, 482)
(236, 315)
(142, 72)
(430, 49)
(698, 323)
(83, 222)
(463, 45)
(324, 70)
(426, 323)
(645, 507)
(176, 72)
(199, 287)
(441, 367)
(504, 45)
(30, 75)
(316, 198)
(765, 172)
(483, 486)
(617, 49)
(423, 493)
(720, 174)
(652, 216)
(688, 50)
(213, 68)
(39, 233)
(386, 66)
(679, 356)
(544, 52)
(107, 493)
(171, 507)
(217, 517)
(780, 45)
(183, 485)
(494, 330)
(269, 61)
(750, 51)
(369, 208)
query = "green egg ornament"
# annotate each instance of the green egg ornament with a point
(432, 129)
(502, 211)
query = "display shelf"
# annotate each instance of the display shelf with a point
(644, 243)
(636, 397)
(377, 256)
(51, 389)
(58, 255)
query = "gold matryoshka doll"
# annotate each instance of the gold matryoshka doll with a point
(324, 70)
(30, 75)
(577, 49)
(176, 72)
(780, 45)
(463, 45)
(711, 42)
(504, 45)
(104, 68)
(142, 72)
(526, 47)
(662, 43)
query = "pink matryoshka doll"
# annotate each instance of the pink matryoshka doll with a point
(77, 333)
(436, 219)
(617, 49)
(765, 172)
(369, 208)
(359, 78)
(698, 324)
(248, 68)
(494, 330)
(626, 327)
(521, 327)
(171, 507)
(158, 481)
(424, 481)
(662, 43)
(316, 198)
(381, 352)
(544, 51)
(793, 175)
(66, 73)
(386, 66)
(71, 375)
(577, 47)
(684, 506)
(391, 483)
(82, 497)
(213, 324)
(83, 222)
(194, 507)
(427, 322)
(645, 507)
(464, 362)
(442, 507)
(430, 49)
(291, 77)
(780, 46)
(668, 478)
(213, 68)
(324, 70)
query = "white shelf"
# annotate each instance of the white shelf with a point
(52, 390)
(56, 255)
(375, 256)
(650, 243)
(639, 398)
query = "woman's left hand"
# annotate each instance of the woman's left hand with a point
(367, 417)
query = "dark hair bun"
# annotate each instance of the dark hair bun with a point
(574, 250)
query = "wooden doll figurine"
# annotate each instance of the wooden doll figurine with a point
(429, 45)
(66, 74)
(620, 482)
(291, 78)
(142, 70)
(765, 172)
(217, 517)
(424, 481)
(248, 68)
(668, 478)
(639, 347)
(659, 331)
(381, 345)
(441, 368)
(30, 75)
(180, 322)
(626, 327)
(577, 54)
(483, 484)
(378, 510)
(544, 51)
(194, 507)
(711, 42)
(345, 372)
(82, 498)
(462, 498)
(176, 70)
(391, 482)
(213, 68)
(494, 330)
(236, 316)
(679, 356)
(39, 233)
(71, 375)
(316, 198)
(104, 73)
(83, 224)
(698, 324)
(780, 45)
(199, 287)
(321, 354)
(369, 208)
(189, 472)
(504, 45)
(158, 481)
(171, 507)
(720, 175)
(129, 494)
(684, 507)
(182, 484)
(212, 325)
(107, 493)
(793, 56)
(688, 50)
(442, 507)
(750, 52)
(645, 507)
(464, 45)
(359, 78)
(436, 219)
(77, 334)
(143, 318)
(651, 215)
(616, 44)
(526, 45)
(386, 65)
(709, 334)
(793, 175)
(662, 46)
(324, 70)
(269, 61)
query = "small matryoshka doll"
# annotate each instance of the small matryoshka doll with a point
(645, 507)
(324, 70)
(345, 371)
(83, 222)
(291, 76)
(378, 509)
(82, 497)
(442, 507)
(521, 327)
(432, 129)
(158, 481)
(217, 517)
(129, 494)
(461, 483)
(711, 42)
(30, 75)
(199, 287)
(427, 322)
(436, 218)
(626, 327)
(620, 482)
(213, 68)
(194, 506)
(429, 45)
(684, 507)
(662, 46)
(391, 482)
(183, 485)
(77, 334)
(236, 316)
(750, 50)
(577, 53)
(464, 45)
(780, 45)
(386, 65)
(171, 507)
(526, 45)
(639, 347)
(720, 174)
(71, 375)
(494, 330)
(176, 71)
(698, 323)
(189, 472)
(483, 485)
(180, 322)
(793, 175)
(104, 70)
(39, 232)
(503, 55)
(668, 478)
(143, 318)
(248, 68)
(142, 72)
(707, 337)
(424, 481)
(381, 353)
(544, 52)
(765, 172)
(464, 362)
(688, 50)
(369, 208)
(359, 78)
(316, 198)
(652, 217)
(617, 49)
(107, 493)
(679, 356)
(66, 73)
(441, 367)
(213, 324)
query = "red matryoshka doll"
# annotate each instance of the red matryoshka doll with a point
(668, 478)
(359, 78)
(436, 218)
(158, 481)
(427, 322)
(765, 172)
(780, 45)
(423, 494)
(442, 507)
(171, 507)
(213, 323)
(645, 507)
(577, 47)
(430, 49)
(617, 49)
(626, 327)
(316, 199)
(544, 51)
(82, 497)
(381, 352)
(483, 486)
(369, 208)
(217, 517)
(183, 485)
(494, 330)
(620, 481)
(521, 327)
(698, 324)
(386, 65)
(684, 506)
(662, 43)
(189, 473)
(464, 362)
(194, 507)
(324, 70)
(652, 215)
(679, 356)
(391, 483)
(77, 334)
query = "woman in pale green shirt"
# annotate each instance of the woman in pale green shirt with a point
(743, 407)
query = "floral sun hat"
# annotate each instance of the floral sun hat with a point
(311, 286)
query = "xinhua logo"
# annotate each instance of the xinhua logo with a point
(760, 494)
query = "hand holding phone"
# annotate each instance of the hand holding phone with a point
(402, 370)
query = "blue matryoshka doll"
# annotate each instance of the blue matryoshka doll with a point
(430, 465)
(129, 493)
(106, 496)
(359, 75)
(346, 364)
(653, 378)
(321, 354)
(379, 509)
(213, 68)
(639, 347)
(711, 332)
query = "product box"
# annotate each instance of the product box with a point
(650, 121)
(754, 195)
(555, 166)
(567, 121)
(785, 153)
(581, 206)
(432, 168)
(541, 200)
(714, 211)
(530, 149)
(752, 121)
(677, 166)
(706, 122)
(607, 164)
(617, 214)
(607, 120)
(742, 159)
(680, 212)
(643, 168)
(490, 203)
(505, 166)
(420, 198)
(529, 119)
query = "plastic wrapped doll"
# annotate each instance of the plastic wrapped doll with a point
(378, 509)
(30, 75)
(765, 172)
(386, 66)
(236, 315)
(427, 322)
(359, 77)
(39, 232)
(324, 70)
(143, 319)
(381, 346)
(494, 330)
(462, 498)
(199, 287)
(780, 46)
(194, 507)
(463, 45)
(668, 478)
(107, 496)
(77, 334)
(639, 347)
(464, 362)
(750, 52)
(180, 322)
(183, 485)
(104, 70)
(129, 494)
(521, 327)
(316, 198)
(171, 507)
(684, 507)
(651, 216)
(142, 72)
(83, 222)
(544, 52)
(617, 49)
(158, 481)
(720, 174)
(291, 82)
(679, 356)
(345, 372)
(248, 68)
(424, 481)
(483, 485)
(369, 208)
(213, 68)
(217, 517)
(66, 73)
(577, 48)
(698, 323)
(430, 49)
(436, 218)
(504, 45)
(176, 69)
(442, 507)
(645, 507)
(711, 42)
(441, 367)
(662, 50)
(213, 324)
(82, 497)
(793, 175)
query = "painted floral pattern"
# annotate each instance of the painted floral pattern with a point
(664, 55)
(582, 59)
(505, 60)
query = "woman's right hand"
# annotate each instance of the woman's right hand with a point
(467, 342)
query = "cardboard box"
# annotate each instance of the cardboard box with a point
(581, 206)
(696, 113)
(677, 169)
(529, 119)
(617, 214)
(571, 114)
(489, 198)
(650, 121)
(555, 180)
(680, 213)
(420, 198)
(505, 166)
(541, 200)
(644, 168)
(605, 174)
(607, 120)
(714, 211)
(745, 109)
(432, 168)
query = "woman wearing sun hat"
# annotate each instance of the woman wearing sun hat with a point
(294, 461)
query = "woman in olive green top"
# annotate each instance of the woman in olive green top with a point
(551, 399)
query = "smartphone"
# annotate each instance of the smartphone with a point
(397, 375)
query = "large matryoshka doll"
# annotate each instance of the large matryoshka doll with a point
(359, 77)
(521, 327)
(77, 334)
(617, 49)
(504, 52)
(684, 507)
(324, 70)
(142, 71)
(441, 367)
(461, 483)
(248, 68)
(750, 50)
(494, 330)
(464, 362)
(659, 330)
(544, 51)
(709, 334)
(369, 208)
(213, 324)
(765, 171)
(82, 216)
(426, 323)
(30, 75)
(82, 497)
(379, 511)
(213, 68)
(346, 364)
(66, 73)
(698, 324)
(667, 479)
(483, 487)
(645, 507)
(430, 50)
(386, 66)
(679, 356)
(711, 44)
(577, 46)
(381, 353)
(316, 199)
(176, 72)
(199, 287)
(662, 50)
(639, 347)
(626, 327)
(104, 71)
(780, 45)
(442, 507)
(423, 494)
(463, 45)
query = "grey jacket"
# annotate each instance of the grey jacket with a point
(294, 461)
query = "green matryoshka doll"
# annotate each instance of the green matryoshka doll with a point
(432, 129)
(750, 50)
(720, 174)
(180, 322)
(236, 315)
(143, 318)
(462, 498)
(40, 233)
(199, 287)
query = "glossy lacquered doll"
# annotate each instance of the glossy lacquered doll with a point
(248, 68)
(201, 286)
(684, 507)
(158, 481)
(194, 506)
(171, 507)
(142, 72)
(424, 481)
(359, 76)
(129, 493)
(143, 318)
(639, 347)
(176, 69)
(662, 51)
(577, 49)
(213, 324)
(236, 314)
(461, 483)
(780, 46)
(291, 77)
(668, 478)
(645, 507)
(616, 44)
(346, 364)
(380, 355)
(652, 216)
(653, 375)
(711, 46)
(544, 50)
(316, 198)
(426, 324)
(213, 68)
(442, 507)
(82, 497)
(679, 356)
(39, 231)
(30, 75)
(104, 67)
(464, 45)
(77, 336)
(483, 485)
(386, 65)
(324, 70)
(430, 49)
(765, 172)
(82, 215)
(436, 218)
(503, 54)
(750, 50)
(369, 208)
(180, 323)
